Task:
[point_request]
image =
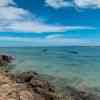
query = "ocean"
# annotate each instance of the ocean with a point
(74, 64)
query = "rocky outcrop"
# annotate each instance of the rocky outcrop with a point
(30, 86)
(42, 90)
(39, 88)
(5, 59)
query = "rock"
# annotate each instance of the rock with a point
(80, 95)
(73, 93)
(26, 76)
(28, 95)
(33, 79)
(25, 95)
(5, 59)
(37, 85)
(31, 87)
(7, 88)
(42, 84)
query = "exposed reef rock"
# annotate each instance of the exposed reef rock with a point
(39, 88)
(5, 59)
(30, 86)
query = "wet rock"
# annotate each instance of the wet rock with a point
(37, 85)
(80, 95)
(41, 84)
(34, 80)
(5, 59)
(73, 93)
(26, 77)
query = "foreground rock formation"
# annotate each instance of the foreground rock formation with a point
(26, 86)
(29, 86)
(34, 87)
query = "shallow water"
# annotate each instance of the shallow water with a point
(76, 64)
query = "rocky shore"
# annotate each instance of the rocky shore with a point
(30, 86)
(26, 86)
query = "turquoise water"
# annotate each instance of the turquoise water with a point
(73, 63)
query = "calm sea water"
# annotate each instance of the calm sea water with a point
(71, 63)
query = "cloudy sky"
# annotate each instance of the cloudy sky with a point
(49, 22)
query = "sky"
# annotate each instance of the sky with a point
(49, 22)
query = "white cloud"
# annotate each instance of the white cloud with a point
(87, 3)
(15, 19)
(55, 36)
(41, 27)
(58, 3)
(6, 2)
(58, 39)
(93, 4)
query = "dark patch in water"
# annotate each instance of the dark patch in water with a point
(45, 50)
(73, 52)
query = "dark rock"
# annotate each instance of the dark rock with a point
(37, 85)
(5, 59)
(33, 79)
(43, 84)
(26, 77)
